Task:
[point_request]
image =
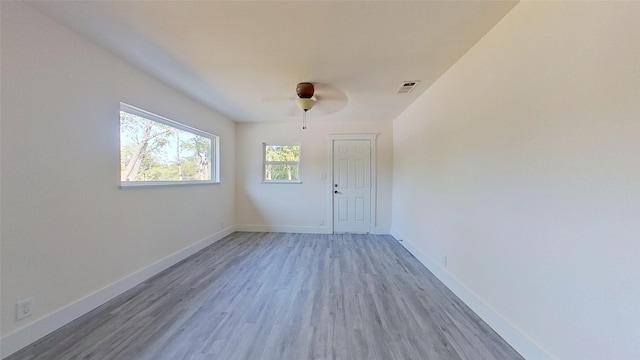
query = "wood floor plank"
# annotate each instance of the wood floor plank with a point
(275, 296)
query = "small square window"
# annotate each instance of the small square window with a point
(281, 163)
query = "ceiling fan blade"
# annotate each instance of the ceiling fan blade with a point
(278, 98)
(329, 91)
(328, 107)
(293, 111)
(329, 99)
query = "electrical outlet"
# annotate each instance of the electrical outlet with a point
(321, 222)
(25, 308)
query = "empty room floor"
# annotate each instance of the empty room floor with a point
(282, 297)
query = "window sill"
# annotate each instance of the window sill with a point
(146, 184)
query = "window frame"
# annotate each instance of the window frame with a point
(214, 167)
(265, 163)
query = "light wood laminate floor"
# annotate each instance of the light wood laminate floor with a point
(282, 297)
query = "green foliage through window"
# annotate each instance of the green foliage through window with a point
(158, 150)
(281, 163)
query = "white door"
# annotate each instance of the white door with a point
(351, 186)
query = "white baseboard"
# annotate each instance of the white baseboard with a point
(299, 229)
(24, 336)
(380, 231)
(519, 341)
(284, 229)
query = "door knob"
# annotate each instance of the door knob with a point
(336, 192)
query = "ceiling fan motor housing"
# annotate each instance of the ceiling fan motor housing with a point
(305, 90)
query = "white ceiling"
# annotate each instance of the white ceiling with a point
(244, 59)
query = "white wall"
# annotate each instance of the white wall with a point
(67, 229)
(522, 166)
(302, 207)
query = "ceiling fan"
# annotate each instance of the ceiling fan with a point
(324, 99)
(305, 99)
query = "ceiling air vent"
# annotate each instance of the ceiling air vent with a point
(408, 86)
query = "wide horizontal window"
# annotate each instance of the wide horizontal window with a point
(281, 163)
(157, 151)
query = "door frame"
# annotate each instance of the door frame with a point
(372, 141)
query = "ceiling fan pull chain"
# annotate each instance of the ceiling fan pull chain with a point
(304, 120)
